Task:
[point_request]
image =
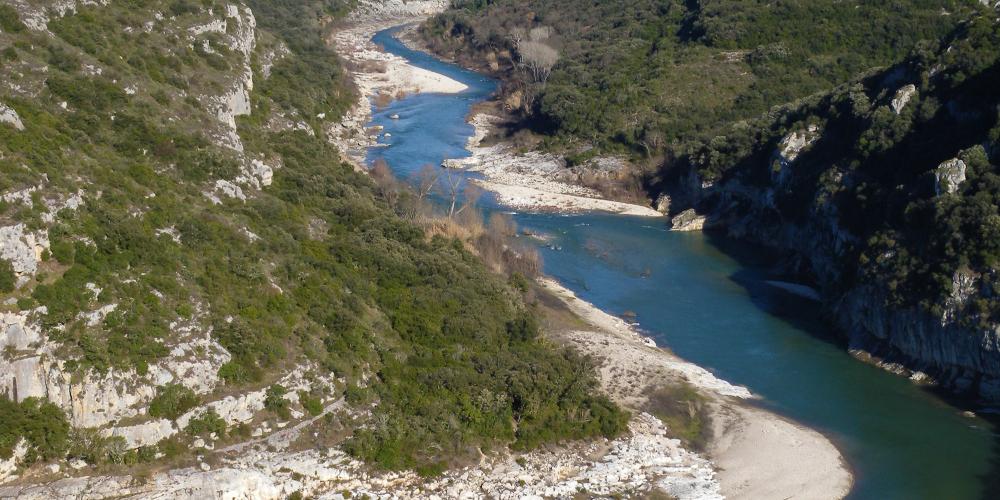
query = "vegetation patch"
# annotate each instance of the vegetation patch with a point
(40, 423)
(685, 413)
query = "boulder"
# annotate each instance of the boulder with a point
(10, 117)
(663, 203)
(688, 220)
(948, 176)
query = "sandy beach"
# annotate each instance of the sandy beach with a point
(758, 455)
(529, 181)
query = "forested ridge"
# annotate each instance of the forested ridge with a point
(861, 139)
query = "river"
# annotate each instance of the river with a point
(707, 300)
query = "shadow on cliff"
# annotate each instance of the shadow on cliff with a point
(757, 265)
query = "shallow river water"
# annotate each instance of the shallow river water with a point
(707, 300)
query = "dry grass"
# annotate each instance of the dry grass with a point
(496, 242)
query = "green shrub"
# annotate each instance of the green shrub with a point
(42, 424)
(172, 401)
(275, 401)
(206, 424)
(10, 21)
(312, 404)
(7, 277)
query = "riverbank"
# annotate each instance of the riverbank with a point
(531, 181)
(377, 74)
(752, 454)
(758, 454)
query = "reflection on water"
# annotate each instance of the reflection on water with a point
(708, 301)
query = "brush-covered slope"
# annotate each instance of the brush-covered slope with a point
(185, 257)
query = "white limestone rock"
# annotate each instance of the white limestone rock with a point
(96, 317)
(22, 249)
(10, 117)
(948, 176)
(688, 220)
(663, 203)
(229, 189)
(17, 332)
(256, 174)
(22, 196)
(8, 466)
(242, 38)
(797, 141)
(144, 434)
(903, 96)
(789, 149)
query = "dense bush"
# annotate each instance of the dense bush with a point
(42, 424)
(172, 401)
(206, 424)
(7, 277)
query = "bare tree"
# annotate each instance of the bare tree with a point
(540, 33)
(516, 36)
(539, 58)
(427, 179)
(382, 174)
(460, 189)
(652, 140)
(380, 170)
(502, 225)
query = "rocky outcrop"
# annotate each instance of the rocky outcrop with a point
(23, 249)
(797, 141)
(965, 360)
(16, 332)
(10, 117)
(35, 14)
(949, 176)
(8, 466)
(903, 96)
(93, 399)
(688, 220)
(662, 204)
(239, 28)
(788, 151)
(931, 349)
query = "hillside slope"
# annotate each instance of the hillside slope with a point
(187, 263)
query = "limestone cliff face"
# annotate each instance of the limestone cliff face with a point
(909, 341)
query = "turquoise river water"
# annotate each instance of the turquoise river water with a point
(706, 299)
